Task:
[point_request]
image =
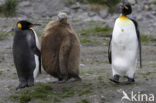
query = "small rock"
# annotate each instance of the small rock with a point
(132, 1)
(48, 79)
(146, 7)
(147, 16)
(25, 4)
(9, 29)
(94, 18)
(82, 65)
(138, 8)
(103, 13)
(87, 74)
(75, 6)
(119, 90)
(66, 10)
(84, 6)
(2, 2)
(91, 14)
(139, 17)
(102, 96)
(153, 7)
(80, 10)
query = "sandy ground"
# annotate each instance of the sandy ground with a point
(95, 74)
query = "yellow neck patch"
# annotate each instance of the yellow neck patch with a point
(19, 25)
(123, 17)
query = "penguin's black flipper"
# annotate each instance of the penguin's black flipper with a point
(139, 41)
(40, 63)
(109, 52)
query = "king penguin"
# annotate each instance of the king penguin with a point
(124, 46)
(26, 53)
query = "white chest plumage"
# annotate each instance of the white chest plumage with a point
(36, 71)
(124, 47)
(36, 39)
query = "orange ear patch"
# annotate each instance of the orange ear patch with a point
(19, 25)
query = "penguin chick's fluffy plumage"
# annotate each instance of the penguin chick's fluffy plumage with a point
(60, 49)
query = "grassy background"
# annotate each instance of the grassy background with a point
(9, 8)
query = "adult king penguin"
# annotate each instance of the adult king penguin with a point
(26, 53)
(124, 46)
(60, 50)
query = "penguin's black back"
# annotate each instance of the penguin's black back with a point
(139, 40)
(23, 52)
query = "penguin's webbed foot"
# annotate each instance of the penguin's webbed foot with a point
(30, 84)
(60, 79)
(115, 79)
(63, 79)
(77, 78)
(130, 81)
(21, 86)
(30, 81)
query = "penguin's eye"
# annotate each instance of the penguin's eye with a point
(19, 25)
(126, 7)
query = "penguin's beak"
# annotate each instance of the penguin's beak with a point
(60, 18)
(34, 25)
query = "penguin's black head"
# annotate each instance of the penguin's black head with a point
(24, 25)
(126, 9)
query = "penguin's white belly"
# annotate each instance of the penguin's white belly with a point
(124, 49)
(36, 39)
(36, 70)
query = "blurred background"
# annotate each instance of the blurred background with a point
(93, 21)
(105, 11)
